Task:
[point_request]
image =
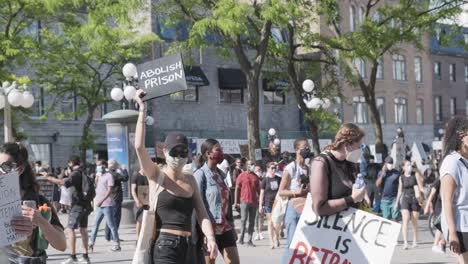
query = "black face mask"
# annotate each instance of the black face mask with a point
(305, 153)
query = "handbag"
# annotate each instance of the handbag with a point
(148, 225)
(279, 209)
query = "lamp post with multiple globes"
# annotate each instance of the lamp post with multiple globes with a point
(11, 96)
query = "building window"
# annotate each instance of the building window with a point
(418, 69)
(360, 110)
(189, 95)
(399, 67)
(37, 109)
(33, 30)
(68, 106)
(361, 66)
(452, 74)
(466, 73)
(338, 109)
(437, 71)
(352, 18)
(362, 13)
(438, 108)
(169, 32)
(232, 96)
(41, 152)
(401, 110)
(465, 38)
(232, 83)
(419, 111)
(274, 92)
(380, 65)
(438, 33)
(453, 107)
(380, 102)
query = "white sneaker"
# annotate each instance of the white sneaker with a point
(437, 249)
(415, 244)
(261, 236)
(256, 237)
(405, 245)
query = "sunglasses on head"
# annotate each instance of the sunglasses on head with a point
(273, 168)
(179, 152)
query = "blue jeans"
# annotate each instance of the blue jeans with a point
(108, 212)
(291, 218)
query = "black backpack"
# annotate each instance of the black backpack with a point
(88, 188)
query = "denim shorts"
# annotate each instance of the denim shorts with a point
(267, 210)
(171, 249)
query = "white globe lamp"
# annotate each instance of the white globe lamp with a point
(271, 132)
(326, 103)
(15, 98)
(315, 103)
(129, 70)
(28, 100)
(129, 92)
(441, 131)
(308, 86)
(277, 141)
(117, 94)
(149, 121)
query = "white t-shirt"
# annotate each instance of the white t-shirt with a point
(296, 175)
(453, 166)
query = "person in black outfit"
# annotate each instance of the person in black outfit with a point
(370, 178)
(80, 209)
(140, 194)
(117, 191)
(434, 206)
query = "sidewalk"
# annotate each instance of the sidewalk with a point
(258, 255)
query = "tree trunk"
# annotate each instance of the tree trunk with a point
(315, 136)
(376, 124)
(253, 127)
(85, 136)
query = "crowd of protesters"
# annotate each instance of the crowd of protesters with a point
(196, 199)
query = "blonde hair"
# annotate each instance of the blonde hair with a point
(349, 134)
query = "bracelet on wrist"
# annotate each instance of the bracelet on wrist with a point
(349, 201)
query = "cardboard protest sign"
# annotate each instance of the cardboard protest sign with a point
(162, 76)
(418, 155)
(437, 145)
(10, 206)
(351, 236)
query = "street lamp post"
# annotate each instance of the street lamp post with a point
(11, 96)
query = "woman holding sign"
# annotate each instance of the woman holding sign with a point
(333, 173)
(32, 222)
(177, 195)
(454, 187)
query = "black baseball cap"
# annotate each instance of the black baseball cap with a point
(389, 160)
(175, 139)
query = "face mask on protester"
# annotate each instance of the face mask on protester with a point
(217, 156)
(305, 153)
(252, 168)
(99, 169)
(175, 163)
(408, 169)
(354, 155)
(390, 166)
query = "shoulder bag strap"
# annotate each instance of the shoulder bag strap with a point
(325, 156)
(464, 162)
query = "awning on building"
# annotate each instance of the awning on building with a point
(272, 85)
(195, 76)
(230, 79)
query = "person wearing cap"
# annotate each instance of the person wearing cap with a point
(178, 196)
(388, 182)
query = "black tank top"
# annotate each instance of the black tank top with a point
(340, 176)
(408, 185)
(174, 212)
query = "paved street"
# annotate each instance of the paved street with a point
(260, 254)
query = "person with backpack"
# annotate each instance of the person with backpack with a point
(120, 175)
(83, 192)
(105, 208)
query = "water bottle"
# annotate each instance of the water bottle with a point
(359, 181)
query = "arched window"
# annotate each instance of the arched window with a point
(399, 67)
(352, 18)
(361, 66)
(401, 110)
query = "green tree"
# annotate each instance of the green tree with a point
(244, 29)
(82, 54)
(384, 27)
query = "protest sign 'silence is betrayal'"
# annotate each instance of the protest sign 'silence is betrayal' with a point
(162, 76)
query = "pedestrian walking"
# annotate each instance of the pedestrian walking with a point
(246, 197)
(295, 186)
(14, 157)
(218, 201)
(140, 194)
(105, 205)
(388, 182)
(434, 207)
(120, 176)
(411, 192)
(80, 209)
(175, 194)
(370, 179)
(454, 186)
(259, 219)
(269, 188)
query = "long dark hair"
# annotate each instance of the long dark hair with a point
(452, 137)
(20, 156)
(206, 147)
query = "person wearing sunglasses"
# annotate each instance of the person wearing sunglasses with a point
(269, 188)
(178, 198)
(14, 157)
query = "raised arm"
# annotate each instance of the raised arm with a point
(150, 170)
(285, 184)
